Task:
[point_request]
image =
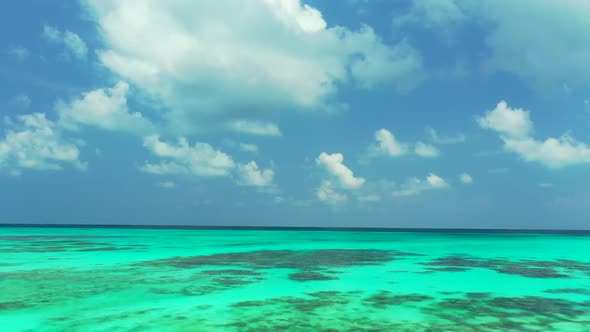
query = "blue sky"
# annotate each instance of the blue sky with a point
(438, 113)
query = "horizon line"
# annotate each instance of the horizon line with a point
(308, 228)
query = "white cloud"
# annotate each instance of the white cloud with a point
(415, 186)
(105, 109)
(19, 52)
(438, 139)
(515, 128)
(522, 39)
(333, 164)
(231, 61)
(326, 193)
(35, 143)
(255, 128)
(167, 184)
(426, 150)
(202, 160)
(250, 175)
(73, 43)
(552, 152)
(387, 145)
(377, 67)
(545, 185)
(52, 34)
(247, 147)
(165, 167)
(527, 39)
(22, 101)
(432, 14)
(466, 178)
(514, 122)
(303, 17)
(181, 158)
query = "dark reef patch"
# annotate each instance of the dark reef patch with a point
(329, 311)
(384, 299)
(230, 272)
(53, 237)
(542, 306)
(51, 244)
(14, 305)
(314, 301)
(102, 249)
(448, 269)
(203, 284)
(310, 276)
(528, 313)
(478, 295)
(526, 268)
(582, 291)
(306, 260)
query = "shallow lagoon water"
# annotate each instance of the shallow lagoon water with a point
(115, 279)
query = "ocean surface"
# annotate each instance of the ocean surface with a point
(115, 279)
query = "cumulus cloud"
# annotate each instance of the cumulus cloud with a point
(341, 178)
(333, 163)
(438, 139)
(466, 178)
(523, 39)
(415, 186)
(71, 41)
(202, 160)
(552, 152)
(514, 122)
(215, 63)
(426, 150)
(548, 30)
(326, 193)
(387, 145)
(515, 129)
(105, 109)
(33, 142)
(199, 159)
(250, 175)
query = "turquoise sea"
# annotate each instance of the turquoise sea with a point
(117, 279)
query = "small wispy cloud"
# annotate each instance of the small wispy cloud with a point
(22, 101)
(248, 147)
(19, 52)
(167, 184)
(439, 139)
(415, 186)
(72, 42)
(466, 178)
